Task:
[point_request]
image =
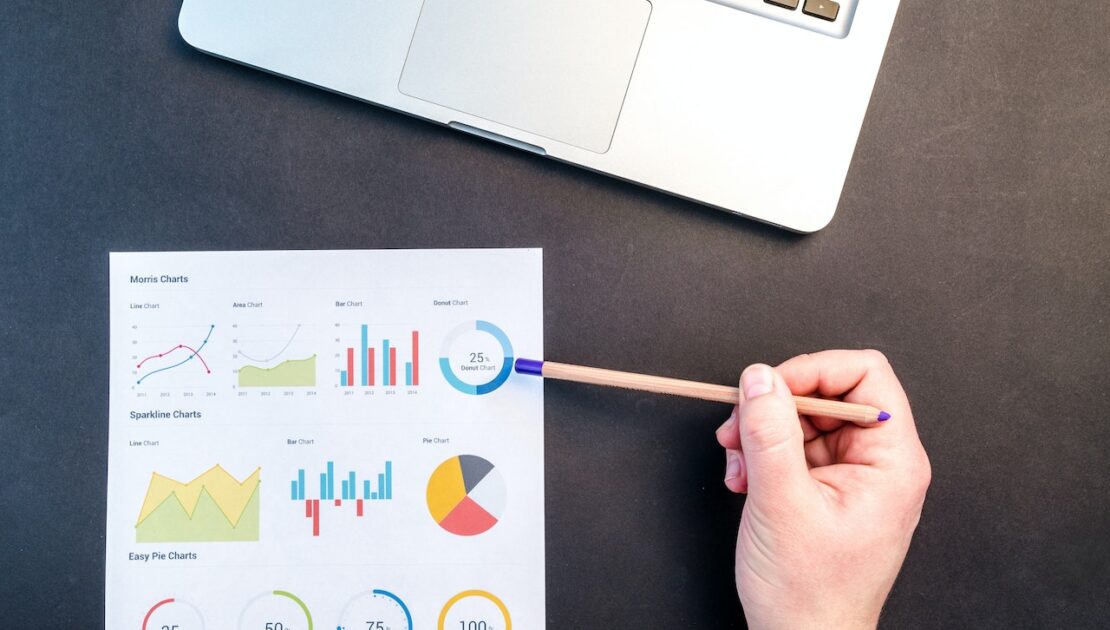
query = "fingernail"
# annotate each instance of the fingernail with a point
(729, 422)
(732, 465)
(757, 380)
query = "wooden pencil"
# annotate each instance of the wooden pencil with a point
(851, 412)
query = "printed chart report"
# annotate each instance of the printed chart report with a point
(325, 440)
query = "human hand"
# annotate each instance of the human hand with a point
(831, 505)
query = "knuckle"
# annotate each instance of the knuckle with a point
(876, 358)
(764, 426)
(926, 471)
(922, 474)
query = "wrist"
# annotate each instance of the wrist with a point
(824, 619)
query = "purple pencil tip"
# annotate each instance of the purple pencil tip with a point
(883, 416)
(529, 366)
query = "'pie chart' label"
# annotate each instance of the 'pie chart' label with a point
(466, 495)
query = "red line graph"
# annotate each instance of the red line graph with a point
(196, 353)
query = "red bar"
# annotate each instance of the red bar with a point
(350, 366)
(308, 508)
(393, 366)
(370, 366)
(338, 502)
(359, 510)
(316, 517)
(415, 358)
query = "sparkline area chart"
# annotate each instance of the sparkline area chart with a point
(214, 506)
(325, 439)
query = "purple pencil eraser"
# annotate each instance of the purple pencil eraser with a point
(529, 366)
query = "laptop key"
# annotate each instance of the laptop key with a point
(786, 4)
(824, 9)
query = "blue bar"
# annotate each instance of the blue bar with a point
(381, 485)
(345, 497)
(343, 378)
(374, 495)
(331, 480)
(351, 486)
(365, 346)
(389, 480)
(294, 495)
(408, 373)
(385, 363)
(300, 485)
(366, 489)
(323, 486)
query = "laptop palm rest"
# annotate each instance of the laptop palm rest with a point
(559, 70)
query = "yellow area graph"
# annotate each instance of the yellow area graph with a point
(214, 507)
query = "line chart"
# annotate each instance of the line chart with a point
(276, 354)
(193, 353)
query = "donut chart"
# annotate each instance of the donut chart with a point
(466, 495)
(476, 358)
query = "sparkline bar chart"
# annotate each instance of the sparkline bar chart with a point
(376, 489)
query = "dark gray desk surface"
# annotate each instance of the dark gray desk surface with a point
(970, 246)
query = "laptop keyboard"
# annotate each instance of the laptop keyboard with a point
(827, 17)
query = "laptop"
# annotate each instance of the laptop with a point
(749, 106)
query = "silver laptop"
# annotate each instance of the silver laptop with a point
(750, 106)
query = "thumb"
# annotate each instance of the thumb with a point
(771, 436)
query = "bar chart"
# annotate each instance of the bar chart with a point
(353, 489)
(378, 362)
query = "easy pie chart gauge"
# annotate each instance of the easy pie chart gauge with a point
(385, 610)
(173, 613)
(275, 610)
(466, 495)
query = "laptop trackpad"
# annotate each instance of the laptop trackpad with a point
(555, 69)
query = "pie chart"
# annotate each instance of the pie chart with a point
(466, 495)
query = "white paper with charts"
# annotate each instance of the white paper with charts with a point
(325, 439)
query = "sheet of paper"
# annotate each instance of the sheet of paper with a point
(325, 439)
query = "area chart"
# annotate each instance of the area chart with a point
(214, 507)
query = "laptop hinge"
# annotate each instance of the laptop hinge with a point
(496, 137)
